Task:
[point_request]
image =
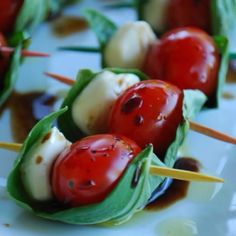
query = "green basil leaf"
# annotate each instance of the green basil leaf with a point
(14, 183)
(80, 49)
(31, 14)
(223, 47)
(223, 15)
(11, 75)
(103, 28)
(101, 25)
(193, 102)
(18, 41)
(34, 12)
(84, 77)
(65, 121)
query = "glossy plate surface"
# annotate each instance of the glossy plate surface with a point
(209, 209)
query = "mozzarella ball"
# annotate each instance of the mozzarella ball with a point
(128, 47)
(36, 168)
(91, 108)
(154, 12)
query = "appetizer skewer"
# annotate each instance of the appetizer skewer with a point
(192, 125)
(7, 51)
(79, 193)
(154, 170)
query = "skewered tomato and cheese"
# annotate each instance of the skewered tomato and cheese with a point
(186, 57)
(149, 111)
(91, 115)
(81, 173)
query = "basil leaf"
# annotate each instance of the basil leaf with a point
(11, 75)
(31, 14)
(65, 121)
(103, 28)
(34, 12)
(223, 47)
(223, 14)
(101, 25)
(14, 183)
(18, 41)
(192, 104)
(80, 49)
(84, 77)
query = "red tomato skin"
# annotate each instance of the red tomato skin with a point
(148, 112)
(9, 11)
(88, 170)
(182, 13)
(186, 57)
(4, 60)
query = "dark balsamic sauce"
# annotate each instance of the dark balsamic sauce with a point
(67, 25)
(228, 96)
(174, 190)
(26, 110)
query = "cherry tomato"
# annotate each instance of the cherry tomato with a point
(88, 170)
(4, 60)
(186, 57)
(195, 13)
(148, 112)
(9, 11)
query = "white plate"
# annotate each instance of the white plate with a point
(209, 209)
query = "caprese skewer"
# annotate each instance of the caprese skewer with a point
(103, 178)
(149, 111)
